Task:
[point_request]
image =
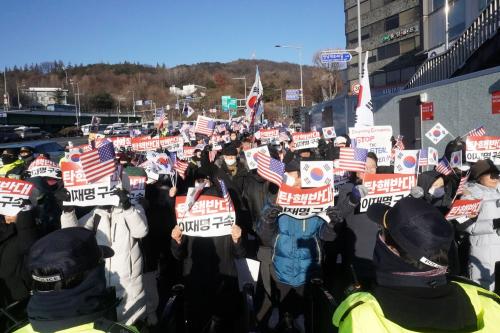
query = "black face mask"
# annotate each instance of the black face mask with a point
(7, 159)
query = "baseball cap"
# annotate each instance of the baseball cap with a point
(416, 226)
(67, 253)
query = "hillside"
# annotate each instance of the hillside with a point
(102, 85)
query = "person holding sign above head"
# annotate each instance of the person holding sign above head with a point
(119, 227)
(296, 251)
(213, 302)
(412, 291)
(484, 230)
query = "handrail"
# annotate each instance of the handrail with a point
(446, 64)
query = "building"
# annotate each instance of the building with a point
(391, 32)
(47, 96)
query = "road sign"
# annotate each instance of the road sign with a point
(225, 103)
(355, 88)
(232, 103)
(327, 57)
(292, 94)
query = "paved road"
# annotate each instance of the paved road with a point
(62, 141)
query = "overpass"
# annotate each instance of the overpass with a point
(53, 121)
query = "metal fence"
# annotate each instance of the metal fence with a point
(444, 65)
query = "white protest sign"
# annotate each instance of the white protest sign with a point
(436, 133)
(208, 217)
(329, 132)
(316, 173)
(251, 153)
(136, 187)
(12, 194)
(303, 203)
(386, 189)
(43, 167)
(376, 139)
(482, 148)
(305, 140)
(99, 194)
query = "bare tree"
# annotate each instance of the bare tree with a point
(328, 77)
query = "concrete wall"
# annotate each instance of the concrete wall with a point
(460, 104)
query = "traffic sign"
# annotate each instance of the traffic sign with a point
(327, 57)
(225, 103)
(355, 88)
(232, 103)
(292, 94)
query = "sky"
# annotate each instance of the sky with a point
(166, 31)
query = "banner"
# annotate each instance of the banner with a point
(304, 140)
(436, 133)
(269, 135)
(208, 217)
(92, 195)
(463, 208)
(145, 143)
(42, 167)
(316, 173)
(304, 203)
(136, 187)
(386, 189)
(329, 132)
(72, 174)
(250, 156)
(118, 141)
(483, 147)
(188, 152)
(12, 194)
(172, 143)
(376, 139)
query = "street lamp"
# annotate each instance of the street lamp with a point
(297, 47)
(19, 106)
(245, 79)
(66, 74)
(281, 97)
(77, 100)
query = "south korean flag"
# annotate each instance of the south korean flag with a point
(316, 173)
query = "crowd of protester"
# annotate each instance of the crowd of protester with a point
(113, 267)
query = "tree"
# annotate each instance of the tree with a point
(102, 101)
(328, 77)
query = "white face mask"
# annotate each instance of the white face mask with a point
(437, 192)
(229, 161)
(289, 180)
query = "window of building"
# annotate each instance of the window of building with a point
(388, 1)
(457, 18)
(388, 51)
(436, 4)
(365, 7)
(482, 4)
(352, 13)
(392, 22)
(379, 80)
(407, 73)
(407, 45)
(408, 16)
(376, 4)
(394, 76)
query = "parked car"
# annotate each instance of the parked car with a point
(8, 133)
(55, 150)
(26, 132)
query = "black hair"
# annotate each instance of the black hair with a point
(373, 156)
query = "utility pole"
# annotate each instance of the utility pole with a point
(447, 35)
(5, 94)
(299, 48)
(360, 53)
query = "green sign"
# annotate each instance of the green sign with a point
(225, 103)
(233, 103)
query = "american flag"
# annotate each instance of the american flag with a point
(212, 154)
(225, 193)
(353, 159)
(204, 125)
(179, 166)
(98, 163)
(270, 168)
(283, 137)
(221, 128)
(443, 167)
(480, 131)
(423, 157)
(160, 117)
(463, 180)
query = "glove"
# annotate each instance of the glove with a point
(358, 192)
(334, 215)
(124, 199)
(271, 213)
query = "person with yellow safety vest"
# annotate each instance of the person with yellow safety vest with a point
(413, 292)
(70, 294)
(12, 166)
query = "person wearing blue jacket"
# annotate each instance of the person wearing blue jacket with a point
(297, 246)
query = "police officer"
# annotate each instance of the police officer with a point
(413, 292)
(12, 166)
(70, 294)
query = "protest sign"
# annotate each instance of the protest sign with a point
(376, 139)
(463, 208)
(304, 140)
(303, 203)
(316, 173)
(136, 187)
(93, 195)
(172, 143)
(188, 152)
(483, 147)
(269, 135)
(145, 143)
(386, 189)
(436, 133)
(250, 156)
(118, 141)
(72, 174)
(329, 132)
(43, 167)
(209, 216)
(12, 194)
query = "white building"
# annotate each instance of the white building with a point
(47, 96)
